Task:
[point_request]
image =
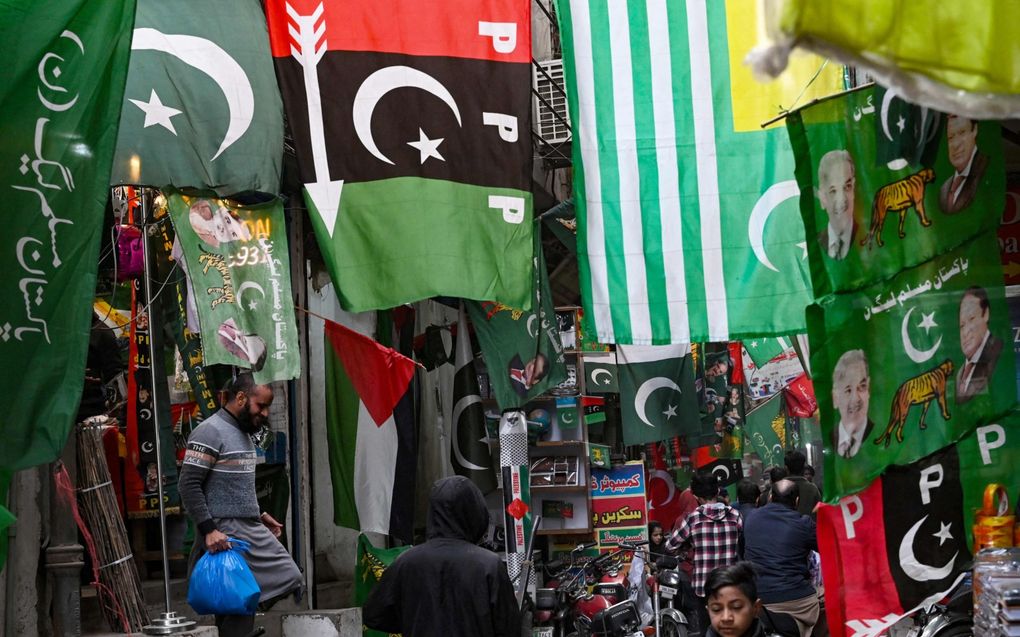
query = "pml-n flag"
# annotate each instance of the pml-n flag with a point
(239, 267)
(371, 565)
(60, 97)
(765, 429)
(370, 432)
(201, 108)
(906, 540)
(470, 453)
(658, 399)
(687, 210)
(906, 367)
(412, 126)
(884, 187)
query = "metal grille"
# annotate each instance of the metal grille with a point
(548, 126)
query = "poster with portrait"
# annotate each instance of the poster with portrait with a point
(238, 264)
(908, 366)
(885, 185)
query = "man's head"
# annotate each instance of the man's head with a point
(705, 486)
(786, 493)
(717, 366)
(795, 461)
(776, 474)
(974, 313)
(747, 492)
(248, 403)
(851, 390)
(961, 138)
(809, 473)
(836, 178)
(732, 597)
(456, 510)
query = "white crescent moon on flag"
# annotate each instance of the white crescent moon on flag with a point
(884, 112)
(458, 409)
(724, 470)
(207, 56)
(382, 82)
(915, 569)
(769, 201)
(597, 373)
(249, 285)
(916, 355)
(646, 389)
(531, 323)
(668, 479)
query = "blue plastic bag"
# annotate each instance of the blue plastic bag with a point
(222, 583)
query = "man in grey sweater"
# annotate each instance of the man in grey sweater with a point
(217, 486)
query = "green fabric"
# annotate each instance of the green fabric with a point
(765, 429)
(6, 517)
(762, 350)
(59, 101)
(853, 123)
(368, 570)
(601, 375)
(908, 329)
(241, 281)
(990, 455)
(342, 406)
(686, 208)
(211, 64)
(657, 395)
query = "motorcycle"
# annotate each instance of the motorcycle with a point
(665, 590)
(953, 616)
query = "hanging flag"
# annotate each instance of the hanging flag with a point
(765, 429)
(800, 398)
(905, 367)
(906, 540)
(370, 433)
(371, 565)
(201, 108)
(657, 395)
(594, 409)
(727, 470)
(522, 348)
(63, 83)
(6, 517)
(470, 452)
(867, 216)
(516, 481)
(566, 412)
(415, 148)
(237, 260)
(686, 209)
(601, 373)
(762, 350)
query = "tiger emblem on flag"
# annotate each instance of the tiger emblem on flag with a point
(919, 390)
(899, 197)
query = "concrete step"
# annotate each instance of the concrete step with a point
(344, 622)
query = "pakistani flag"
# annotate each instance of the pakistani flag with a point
(600, 373)
(657, 395)
(762, 350)
(201, 108)
(413, 135)
(765, 431)
(470, 453)
(370, 433)
(868, 214)
(905, 367)
(566, 412)
(687, 210)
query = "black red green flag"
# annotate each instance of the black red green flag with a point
(412, 126)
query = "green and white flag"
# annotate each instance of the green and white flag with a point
(762, 350)
(239, 267)
(600, 373)
(686, 208)
(765, 430)
(201, 108)
(658, 399)
(907, 366)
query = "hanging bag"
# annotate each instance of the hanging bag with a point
(222, 583)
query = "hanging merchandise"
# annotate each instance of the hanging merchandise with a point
(368, 570)
(619, 505)
(516, 481)
(602, 373)
(470, 446)
(765, 430)
(800, 398)
(762, 350)
(658, 399)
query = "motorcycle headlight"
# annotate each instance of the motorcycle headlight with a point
(670, 578)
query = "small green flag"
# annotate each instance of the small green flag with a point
(371, 565)
(658, 399)
(566, 412)
(762, 350)
(601, 373)
(765, 429)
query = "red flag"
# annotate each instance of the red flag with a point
(800, 398)
(736, 368)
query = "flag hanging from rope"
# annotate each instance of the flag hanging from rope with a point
(688, 227)
(470, 447)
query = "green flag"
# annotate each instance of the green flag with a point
(762, 350)
(470, 452)
(59, 102)
(905, 367)
(867, 218)
(522, 349)
(201, 108)
(657, 395)
(765, 429)
(600, 373)
(237, 260)
(686, 208)
(371, 565)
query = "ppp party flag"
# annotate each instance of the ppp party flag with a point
(412, 126)
(877, 197)
(370, 433)
(687, 214)
(658, 399)
(906, 540)
(201, 108)
(905, 367)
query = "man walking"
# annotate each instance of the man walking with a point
(808, 493)
(217, 486)
(778, 541)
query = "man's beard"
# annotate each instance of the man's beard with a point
(249, 424)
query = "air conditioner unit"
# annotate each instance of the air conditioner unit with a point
(552, 125)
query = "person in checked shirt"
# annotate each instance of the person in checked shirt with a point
(714, 533)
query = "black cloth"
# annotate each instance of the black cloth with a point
(448, 586)
(745, 509)
(101, 365)
(756, 630)
(779, 541)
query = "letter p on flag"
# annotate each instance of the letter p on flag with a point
(512, 207)
(503, 34)
(986, 443)
(851, 516)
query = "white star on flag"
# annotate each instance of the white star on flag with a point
(943, 533)
(901, 123)
(427, 147)
(156, 112)
(670, 412)
(252, 305)
(927, 322)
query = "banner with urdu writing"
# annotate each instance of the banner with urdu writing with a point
(908, 366)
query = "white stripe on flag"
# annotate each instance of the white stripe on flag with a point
(587, 129)
(708, 170)
(669, 178)
(627, 160)
(375, 465)
(630, 354)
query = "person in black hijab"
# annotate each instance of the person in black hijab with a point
(448, 586)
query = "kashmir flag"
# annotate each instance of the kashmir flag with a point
(63, 82)
(765, 430)
(686, 208)
(201, 108)
(905, 367)
(470, 448)
(412, 124)
(657, 395)
(868, 216)
(368, 570)
(762, 350)
(906, 540)
(601, 373)
(237, 261)
(370, 433)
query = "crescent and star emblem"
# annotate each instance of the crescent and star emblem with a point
(458, 410)
(659, 474)
(722, 471)
(927, 322)
(915, 569)
(147, 447)
(249, 285)
(532, 320)
(597, 373)
(646, 389)
(763, 208)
